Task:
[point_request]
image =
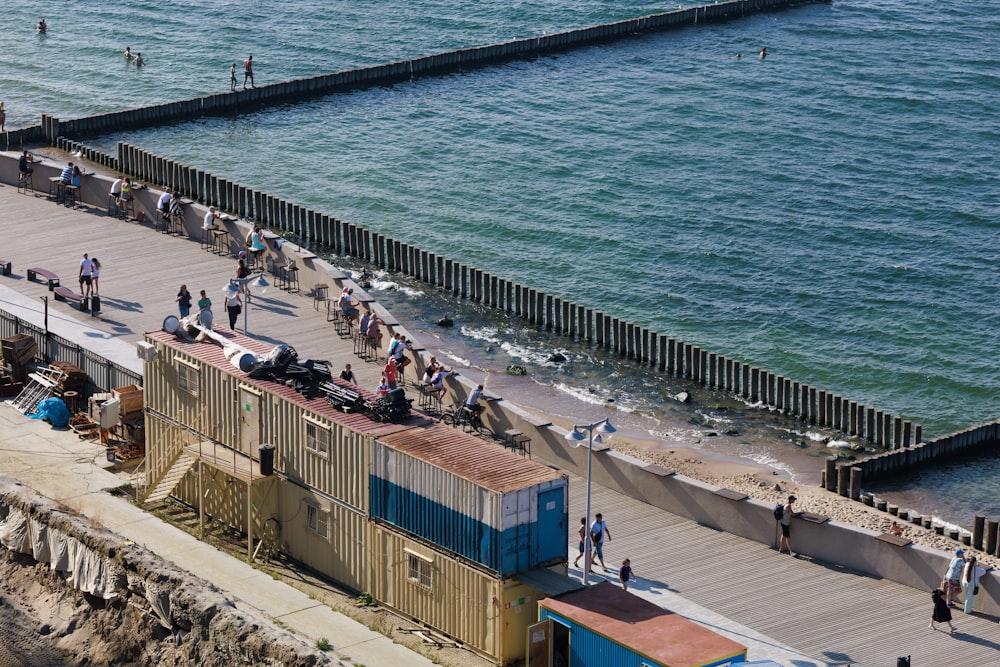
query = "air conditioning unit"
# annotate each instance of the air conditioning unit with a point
(146, 351)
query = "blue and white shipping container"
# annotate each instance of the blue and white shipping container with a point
(479, 501)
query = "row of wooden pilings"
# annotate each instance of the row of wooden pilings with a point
(240, 101)
(847, 479)
(665, 353)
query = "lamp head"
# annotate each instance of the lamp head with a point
(606, 427)
(574, 436)
(230, 290)
(260, 285)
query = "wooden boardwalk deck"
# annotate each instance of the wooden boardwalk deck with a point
(142, 270)
(837, 617)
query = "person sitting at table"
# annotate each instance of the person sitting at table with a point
(116, 189)
(67, 174)
(383, 388)
(348, 305)
(74, 178)
(176, 207)
(163, 206)
(437, 382)
(23, 162)
(210, 217)
(374, 332)
(432, 368)
(255, 244)
(126, 191)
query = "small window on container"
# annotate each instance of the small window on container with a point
(317, 438)
(418, 569)
(318, 521)
(188, 378)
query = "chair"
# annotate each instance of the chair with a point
(24, 182)
(71, 193)
(320, 294)
(220, 241)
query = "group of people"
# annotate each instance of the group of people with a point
(598, 534)
(183, 299)
(70, 175)
(963, 573)
(135, 59)
(121, 189)
(247, 74)
(90, 274)
(170, 205)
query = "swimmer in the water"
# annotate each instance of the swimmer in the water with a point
(139, 62)
(128, 53)
(42, 27)
(737, 56)
(763, 52)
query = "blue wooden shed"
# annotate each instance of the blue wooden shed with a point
(603, 625)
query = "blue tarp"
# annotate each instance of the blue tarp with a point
(53, 410)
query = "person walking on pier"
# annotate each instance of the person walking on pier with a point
(598, 531)
(248, 71)
(86, 271)
(232, 78)
(183, 301)
(941, 612)
(625, 573)
(582, 533)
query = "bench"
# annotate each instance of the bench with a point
(51, 278)
(66, 294)
(5, 267)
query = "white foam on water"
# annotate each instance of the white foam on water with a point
(587, 395)
(839, 444)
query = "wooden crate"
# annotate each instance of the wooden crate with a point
(129, 400)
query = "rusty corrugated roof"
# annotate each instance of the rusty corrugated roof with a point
(465, 455)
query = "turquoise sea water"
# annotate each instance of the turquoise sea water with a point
(828, 213)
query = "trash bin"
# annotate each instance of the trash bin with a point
(266, 459)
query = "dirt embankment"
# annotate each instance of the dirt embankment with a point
(45, 620)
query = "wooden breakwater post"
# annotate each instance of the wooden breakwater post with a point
(978, 526)
(990, 543)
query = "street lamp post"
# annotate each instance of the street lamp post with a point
(232, 288)
(576, 437)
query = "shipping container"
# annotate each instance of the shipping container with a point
(194, 387)
(603, 625)
(477, 500)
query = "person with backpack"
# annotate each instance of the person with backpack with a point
(784, 515)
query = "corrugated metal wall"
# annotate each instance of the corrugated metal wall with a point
(342, 474)
(343, 555)
(589, 649)
(499, 531)
(461, 602)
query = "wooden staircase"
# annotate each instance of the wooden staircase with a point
(170, 478)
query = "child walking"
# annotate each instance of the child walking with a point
(625, 573)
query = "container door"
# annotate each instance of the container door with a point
(551, 532)
(540, 644)
(249, 421)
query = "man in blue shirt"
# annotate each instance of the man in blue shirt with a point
(67, 173)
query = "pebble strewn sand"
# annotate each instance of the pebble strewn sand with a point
(763, 485)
